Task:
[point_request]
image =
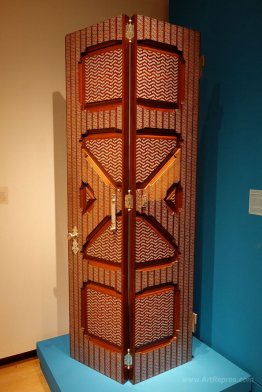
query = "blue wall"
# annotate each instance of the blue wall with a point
(228, 281)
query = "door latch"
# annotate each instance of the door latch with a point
(74, 236)
(129, 200)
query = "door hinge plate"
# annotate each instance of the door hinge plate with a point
(194, 322)
(129, 201)
(128, 359)
(130, 31)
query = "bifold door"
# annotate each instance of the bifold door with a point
(132, 106)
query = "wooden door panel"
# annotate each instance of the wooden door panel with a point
(96, 82)
(164, 84)
(132, 105)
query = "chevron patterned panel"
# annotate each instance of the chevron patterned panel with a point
(150, 152)
(108, 152)
(150, 245)
(104, 316)
(152, 82)
(154, 314)
(103, 76)
(107, 246)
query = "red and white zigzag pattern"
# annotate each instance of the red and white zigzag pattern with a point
(108, 246)
(150, 152)
(108, 152)
(154, 317)
(104, 316)
(149, 245)
(152, 82)
(103, 76)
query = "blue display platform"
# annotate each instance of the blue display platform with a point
(207, 372)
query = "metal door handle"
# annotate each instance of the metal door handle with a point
(74, 236)
(113, 213)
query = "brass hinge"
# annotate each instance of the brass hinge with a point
(129, 200)
(194, 322)
(128, 359)
(130, 31)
